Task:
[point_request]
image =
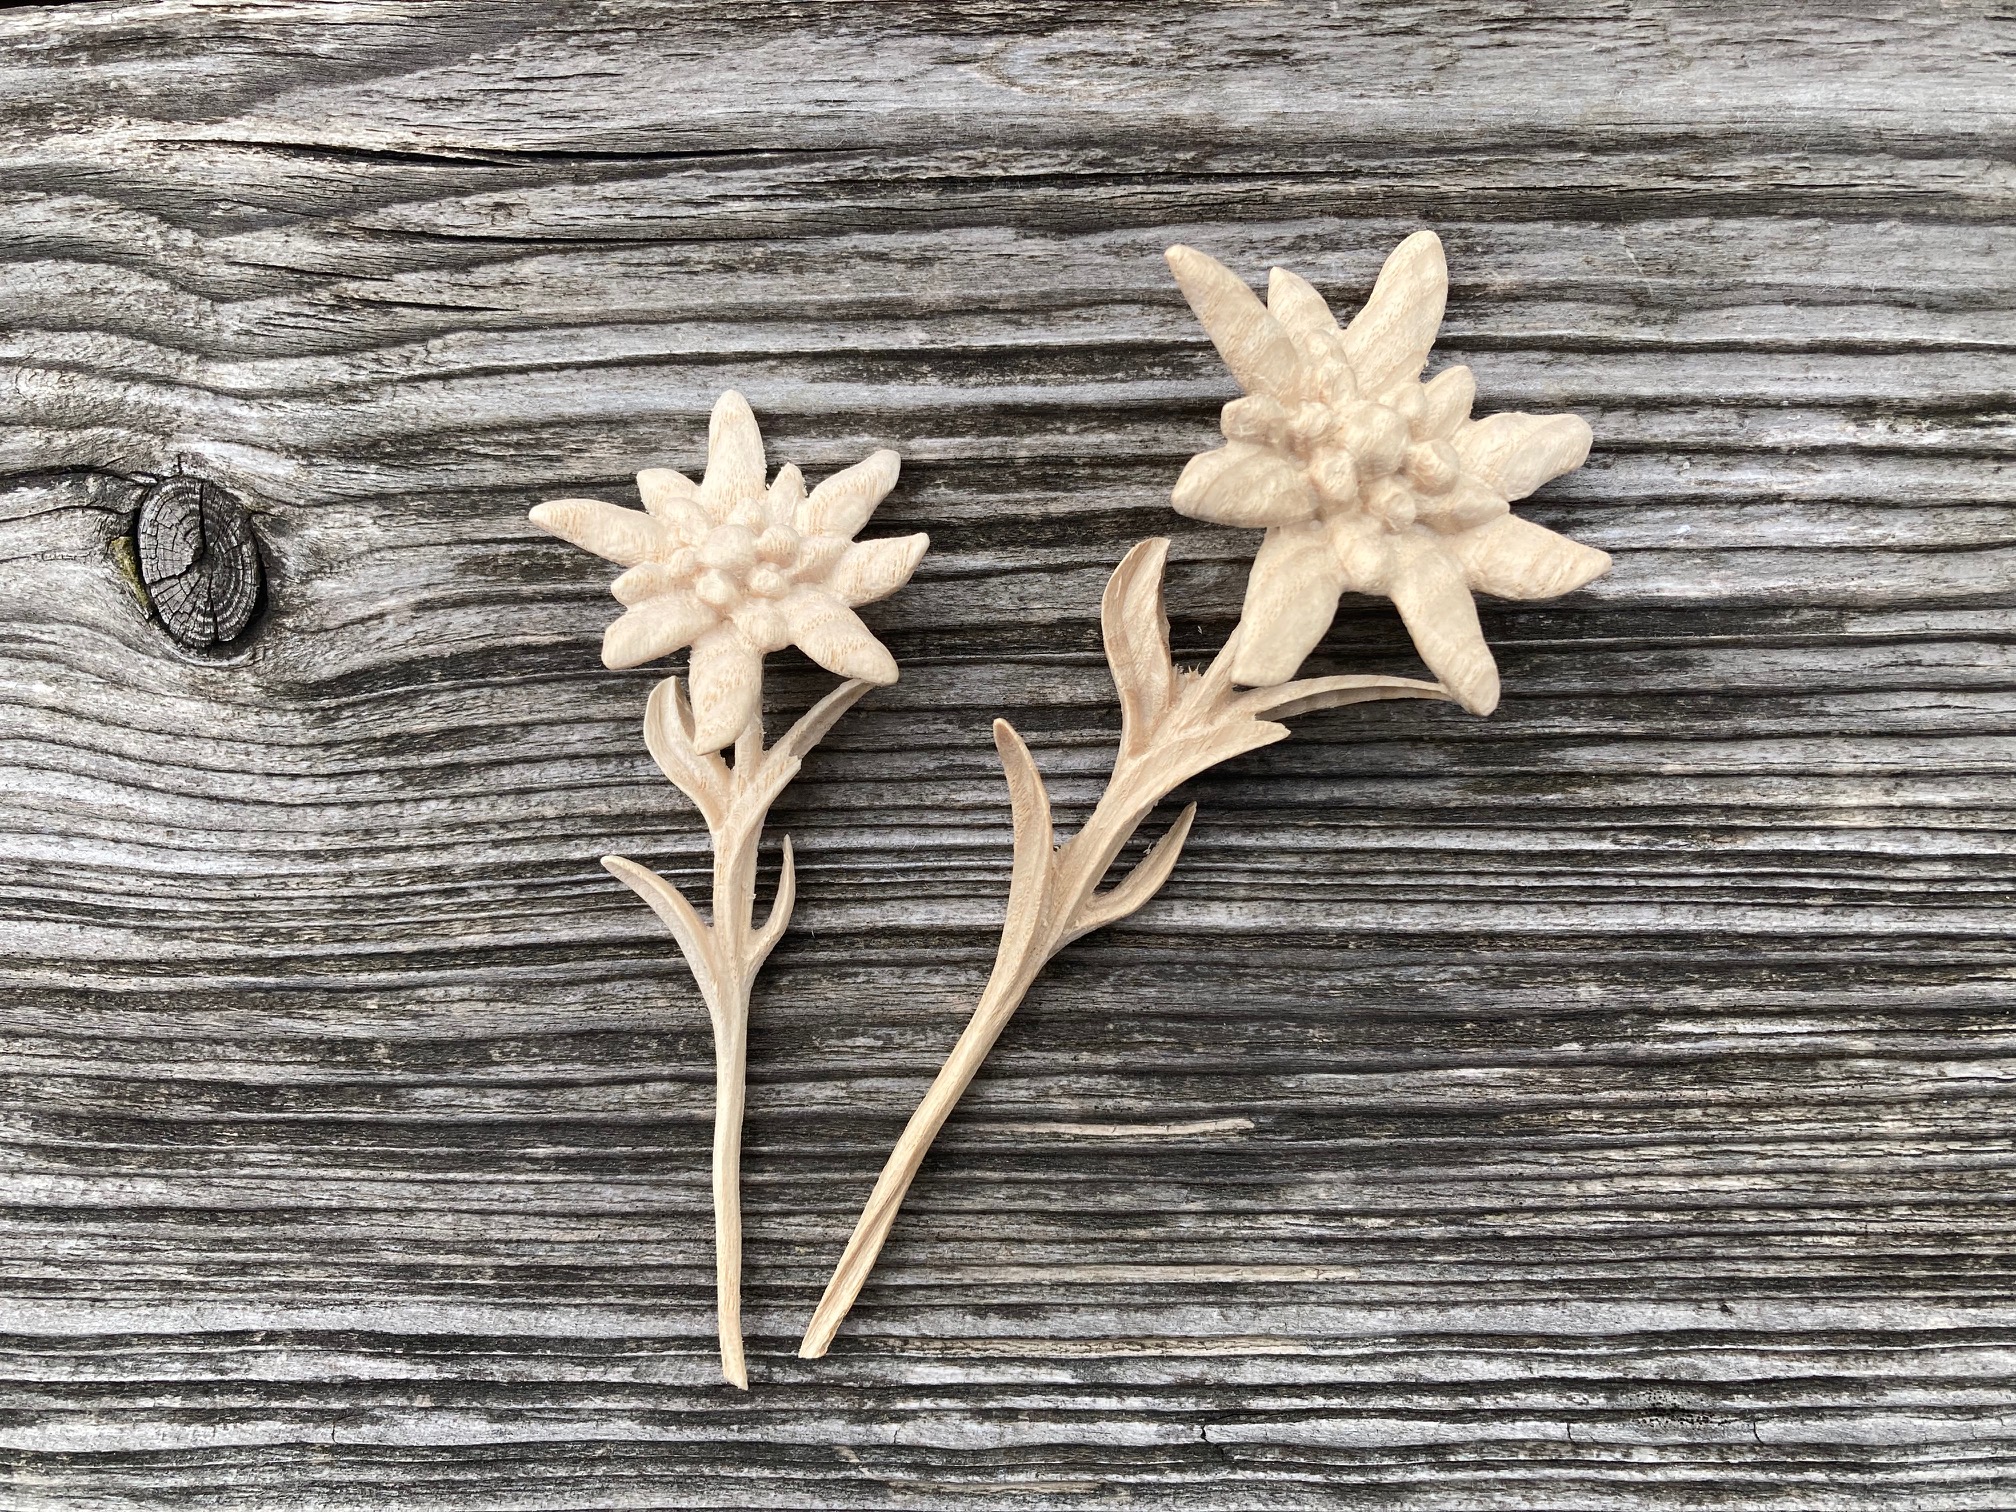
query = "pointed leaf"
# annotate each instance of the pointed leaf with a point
(779, 916)
(1311, 693)
(1035, 840)
(734, 457)
(871, 570)
(1137, 641)
(669, 735)
(1516, 559)
(1433, 597)
(842, 504)
(1291, 597)
(1389, 340)
(623, 536)
(832, 635)
(674, 498)
(1252, 342)
(1446, 399)
(657, 627)
(696, 940)
(1138, 886)
(727, 678)
(1244, 484)
(1514, 454)
(1294, 302)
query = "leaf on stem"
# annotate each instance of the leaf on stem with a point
(780, 910)
(669, 732)
(696, 940)
(1138, 886)
(1035, 840)
(1137, 642)
(1311, 693)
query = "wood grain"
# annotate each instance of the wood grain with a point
(1647, 1148)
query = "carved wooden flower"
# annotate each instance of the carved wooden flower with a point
(1367, 478)
(735, 570)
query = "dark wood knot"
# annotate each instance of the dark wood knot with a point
(199, 560)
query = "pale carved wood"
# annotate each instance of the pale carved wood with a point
(1603, 1105)
(1367, 479)
(737, 566)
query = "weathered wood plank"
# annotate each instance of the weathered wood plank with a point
(1603, 1105)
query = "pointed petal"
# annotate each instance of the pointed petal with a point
(734, 456)
(647, 580)
(1447, 398)
(1515, 453)
(1468, 504)
(1242, 483)
(832, 635)
(1516, 559)
(624, 536)
(1251, 341)
(674, 498)
(727, 682)
(1292, 301)
(875, 569)
(1429, 590)
(1291, 597)
(787, 492)
(1388, 342)
(657, 627)
(841, 505)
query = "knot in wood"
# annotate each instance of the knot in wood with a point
(199, 560)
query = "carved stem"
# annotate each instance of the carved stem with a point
(1173, 725)
(1047, 909)
(736, 844)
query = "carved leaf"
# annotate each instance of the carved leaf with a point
(696, 940)
(1312, 693)
(668, 731)
(780, 910)
(1138, 886)
(1137, 642)
(1035, 840)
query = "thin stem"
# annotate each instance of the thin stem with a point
(736, 843)
(1133, 790)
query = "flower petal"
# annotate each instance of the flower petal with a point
(1516, 559)
(1468, 504)
(1252, 342)
(657, 627)
(1388, 342)
(1291, 597)
(1446, 400)
(674, 498)
(1295, 303)
(832, 635)
(727, 680)
(787, 492)
(648, 580)
(734, 456)
(1428, 588)
(624, 536)
(875, 569)
(1243, 483)
(841, 505)
(1515, 453)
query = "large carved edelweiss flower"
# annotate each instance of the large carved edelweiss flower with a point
(1367, 478)
(735, 570)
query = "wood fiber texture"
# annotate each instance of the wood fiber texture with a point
(1604, 1105)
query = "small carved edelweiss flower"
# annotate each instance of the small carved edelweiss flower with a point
(1367, 478)
(736, 571)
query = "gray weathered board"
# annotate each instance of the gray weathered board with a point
(1604, 1105)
